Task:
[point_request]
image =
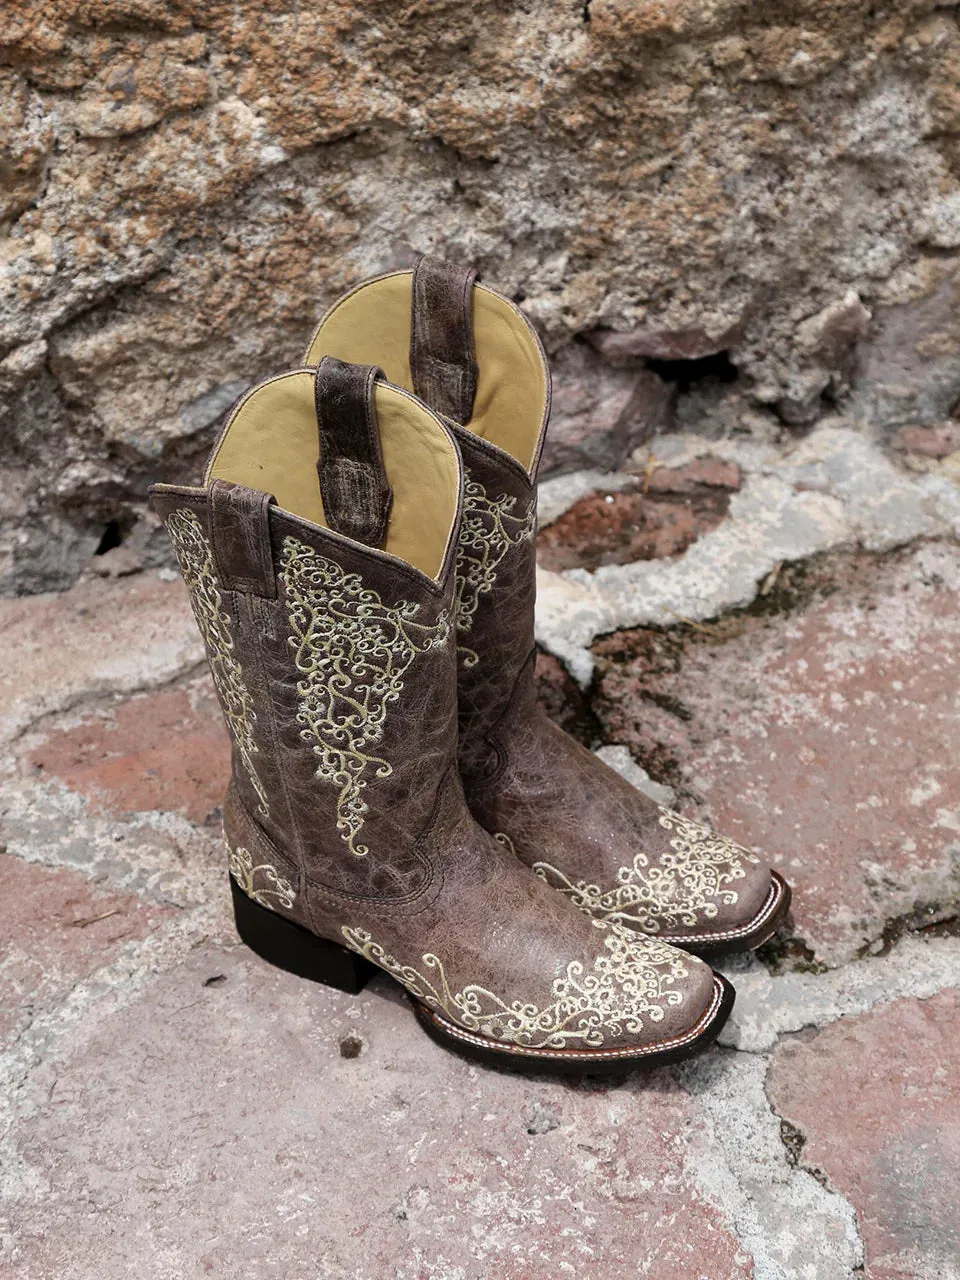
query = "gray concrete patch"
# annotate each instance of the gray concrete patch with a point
(619, 758)
(835, 489)
(160, 856)
(769, 1006)
(793, 1226)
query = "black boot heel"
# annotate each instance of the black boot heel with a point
(289, 946)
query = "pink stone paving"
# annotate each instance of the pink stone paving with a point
(827, 737)
(218, 1130)
(877, 1099)
(166, 750)
(56, 928)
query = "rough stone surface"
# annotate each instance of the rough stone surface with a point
(839, 1088)
(169, 1105)
(601, 413)
(651, 521)
(564, 700)
(186, 185)
(792, 1225)
(834, 489)
(931, 442)
(822, 735)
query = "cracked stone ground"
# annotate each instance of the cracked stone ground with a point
(785, 660)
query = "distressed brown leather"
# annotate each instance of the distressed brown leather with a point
(443, 361)
(239, 534)
(414, 883)
(353, 481)
(612, 851)
(494, 630)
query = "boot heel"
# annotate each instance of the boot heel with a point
(289, 946)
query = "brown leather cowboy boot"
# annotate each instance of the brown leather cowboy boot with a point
(325, 594)
(472, 356)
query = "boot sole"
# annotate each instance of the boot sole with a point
(295, 949)
(746, 937)
(578, 1062)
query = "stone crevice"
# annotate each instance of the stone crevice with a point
(770, 1006)
(794, 1141)
(835, 489)
(934, 921)
(787, 1221)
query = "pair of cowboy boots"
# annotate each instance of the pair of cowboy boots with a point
(361, 564)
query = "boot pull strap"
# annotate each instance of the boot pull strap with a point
(443, 358)
(353, 480)
(239, 524)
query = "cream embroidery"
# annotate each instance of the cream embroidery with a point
(632, 981)
(276, 892)
(682, 887)
(490, 528)
(352, 652)
(196, 565)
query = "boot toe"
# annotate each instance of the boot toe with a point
(744, 900)
(746, 924)
(641, 1003)
(712, 894)
(677, 1009)
(686, 1006)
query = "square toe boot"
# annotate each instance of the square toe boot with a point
(320, 557)
(473, 357)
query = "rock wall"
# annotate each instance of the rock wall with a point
(732, 217)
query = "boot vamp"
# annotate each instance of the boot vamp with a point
(501, 955)
(610, 849)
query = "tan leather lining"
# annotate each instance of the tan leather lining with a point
(371, 325)
(271, 443)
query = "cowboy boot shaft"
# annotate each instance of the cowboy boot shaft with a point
(335, 674)
(496, 592)
(582, 828)
(324, 596)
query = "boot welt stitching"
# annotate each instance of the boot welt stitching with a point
(773, 900)
(582, 1055)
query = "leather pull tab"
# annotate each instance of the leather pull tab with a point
(443, 358)
(240, 538)
(353, 480)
